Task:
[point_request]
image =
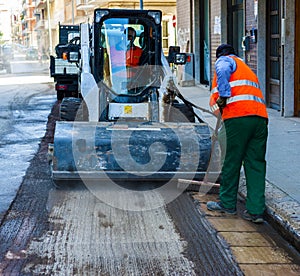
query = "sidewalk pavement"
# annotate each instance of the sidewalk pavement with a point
(283, 166)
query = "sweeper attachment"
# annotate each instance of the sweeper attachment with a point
(130, 122)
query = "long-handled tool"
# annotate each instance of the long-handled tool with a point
(202, 186)
(205, 186)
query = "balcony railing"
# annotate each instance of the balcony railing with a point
(81, 2)
(94, 2)
(40, 25)
(30, 5)
(30, 18)
(84, 5)
(40, 4)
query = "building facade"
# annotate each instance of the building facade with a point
(50, 13)
(5, 23)
(29, 36)
(265, 33)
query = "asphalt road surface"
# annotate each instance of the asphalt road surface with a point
(25, 104)
(105, 229)
(74, 231)
(69, 231)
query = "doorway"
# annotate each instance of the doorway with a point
(297, 60)
(205, 42)
(236, 25)
(274, 54)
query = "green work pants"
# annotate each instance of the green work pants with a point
(243, 142)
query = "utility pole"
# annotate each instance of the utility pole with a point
(141, 4)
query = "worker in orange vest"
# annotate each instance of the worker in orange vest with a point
(237, 97)
(133, 53)
(126, 53)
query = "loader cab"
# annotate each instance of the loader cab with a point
(127, 52)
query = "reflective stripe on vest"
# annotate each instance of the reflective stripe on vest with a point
(234, 99)
(246, 97)
(239, 83)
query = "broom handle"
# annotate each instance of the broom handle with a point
(213, 144)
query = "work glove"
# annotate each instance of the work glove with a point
(221, 102)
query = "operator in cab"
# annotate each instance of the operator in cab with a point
(125, 52)
(133, 52)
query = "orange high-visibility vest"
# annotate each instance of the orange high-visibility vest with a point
(133, 56)
(246, 97)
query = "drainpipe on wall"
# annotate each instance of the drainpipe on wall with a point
(283, 34)
(191, 46)
(49, 28)
(72, 12)
(141, 4)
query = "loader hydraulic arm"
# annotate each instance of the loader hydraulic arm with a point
(89, 87)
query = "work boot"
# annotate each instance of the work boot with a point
(218, 207)
(254, 218)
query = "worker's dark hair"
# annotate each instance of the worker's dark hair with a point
(224, 50)
(131, 29)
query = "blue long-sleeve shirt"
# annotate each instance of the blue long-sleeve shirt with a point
(224, 66)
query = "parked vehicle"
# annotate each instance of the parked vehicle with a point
(8, 51)
(64, 72)
(32, 54)
(6, 55)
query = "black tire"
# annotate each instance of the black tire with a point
(180, 112)
(58, 184)
(72, 109)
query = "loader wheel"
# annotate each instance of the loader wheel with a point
(72, 109)
(58, 184)
(182, 113)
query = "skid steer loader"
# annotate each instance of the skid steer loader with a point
(129, 122)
